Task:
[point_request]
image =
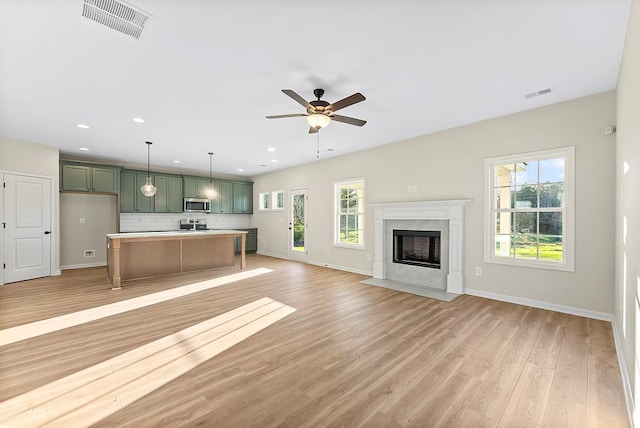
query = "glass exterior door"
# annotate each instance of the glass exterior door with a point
(298, 225)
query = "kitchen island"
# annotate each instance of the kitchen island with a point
(147, 254)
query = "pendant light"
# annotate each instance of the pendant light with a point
(211, 192)
(148, 189)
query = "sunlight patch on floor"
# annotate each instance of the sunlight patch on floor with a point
(92, 394)
(38, 328)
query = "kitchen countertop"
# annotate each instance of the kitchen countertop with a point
(184, 232)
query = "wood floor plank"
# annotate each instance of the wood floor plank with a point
(494, 392)
(547, 348)
(527, 405)
(568, 397)
(350, 354)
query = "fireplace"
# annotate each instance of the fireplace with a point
(417, 248)
(444, 216)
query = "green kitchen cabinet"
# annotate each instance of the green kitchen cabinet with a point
(168, 198)
(195, 187)
(87, 178)
(132, 200)
(251, 243)
(223, 203)
(243, 198)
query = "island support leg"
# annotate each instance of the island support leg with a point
(115, 260)
(243, 242)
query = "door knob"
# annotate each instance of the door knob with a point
(46, 232)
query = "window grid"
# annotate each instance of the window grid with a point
(350, 213)
(529, 198)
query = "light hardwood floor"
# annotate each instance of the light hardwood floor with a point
(342, 354)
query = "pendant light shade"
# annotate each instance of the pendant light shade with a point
(211, 192)
(318, 120)
(148, 189)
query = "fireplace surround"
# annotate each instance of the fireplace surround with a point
(451, 211)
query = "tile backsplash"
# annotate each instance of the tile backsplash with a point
(148, 222)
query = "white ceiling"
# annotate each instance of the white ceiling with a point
(205, 74)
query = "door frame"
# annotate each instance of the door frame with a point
(300, 256)
(54, 270)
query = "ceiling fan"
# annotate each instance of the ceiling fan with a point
(320, 113)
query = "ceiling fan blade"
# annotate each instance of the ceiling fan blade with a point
(346, 102)
(313, 130)
(349, 120)
(280, 116)
(298, 98)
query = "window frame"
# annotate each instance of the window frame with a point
(568, 209)
(262, 196)
(337, 185)
(274, 200)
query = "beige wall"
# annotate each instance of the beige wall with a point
(449, 165)
(36, 159)
(627, 244)
(99, 215)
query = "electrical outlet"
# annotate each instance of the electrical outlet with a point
(478, 271)
(368, 257)
(81, 220)
(89, 253)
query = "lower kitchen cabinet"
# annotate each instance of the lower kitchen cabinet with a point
(251, 244)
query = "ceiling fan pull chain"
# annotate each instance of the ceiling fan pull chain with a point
(318, 145)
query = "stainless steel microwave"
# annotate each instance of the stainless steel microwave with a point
(193, 205)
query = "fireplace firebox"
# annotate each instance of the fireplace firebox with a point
(417, 247)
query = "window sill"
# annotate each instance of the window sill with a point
(351, 246)
(564, 266)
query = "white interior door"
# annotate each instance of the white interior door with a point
(27, 227)
(298, 249)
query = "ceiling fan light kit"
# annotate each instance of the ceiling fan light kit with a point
(320, 113)
(318, 120)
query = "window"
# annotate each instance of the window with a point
(278, 200)
(529, 209)
(350, 213)
(263, 198)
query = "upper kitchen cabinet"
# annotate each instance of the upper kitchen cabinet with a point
(132, 200)
(89, 178)
(223, 203)
(168, 198)
(195, 187)
(243, 198)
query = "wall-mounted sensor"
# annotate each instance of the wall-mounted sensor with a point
(608, 130)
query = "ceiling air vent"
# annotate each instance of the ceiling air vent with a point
(537, 93)
(117, 15)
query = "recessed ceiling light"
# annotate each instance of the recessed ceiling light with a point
(329, 150)
(138, 120)
(82, 126)
(262, 165)
(84, 149)
(240, 170)
(273, 161)
(176, 161)
(271, 149)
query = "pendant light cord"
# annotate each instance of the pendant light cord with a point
(210, 169)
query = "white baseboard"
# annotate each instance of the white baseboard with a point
(626, 380)
(56, 273)
(541, 305)
(277, 256)
(322, 264)
(344, 268)
(83, 265)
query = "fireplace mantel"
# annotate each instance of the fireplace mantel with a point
(451, 210)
